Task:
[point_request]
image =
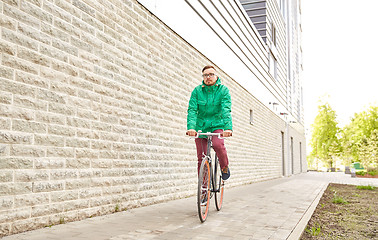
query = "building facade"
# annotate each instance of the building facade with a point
(94, 94)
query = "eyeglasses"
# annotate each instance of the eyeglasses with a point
(208, 75)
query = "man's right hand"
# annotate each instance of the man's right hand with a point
(191, 133)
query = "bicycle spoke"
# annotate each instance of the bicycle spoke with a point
(219, 185)
(203, 195)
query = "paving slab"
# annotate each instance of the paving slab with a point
(276, 209)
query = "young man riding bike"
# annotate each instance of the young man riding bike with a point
(210, 111)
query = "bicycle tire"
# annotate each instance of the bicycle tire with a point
(203, 193)
(219, 184)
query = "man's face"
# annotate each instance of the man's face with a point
(209, 76)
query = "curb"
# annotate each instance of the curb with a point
(301, 225)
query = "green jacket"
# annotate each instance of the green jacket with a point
(210, 108)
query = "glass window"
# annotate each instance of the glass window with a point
(272, 65)
(274, 37)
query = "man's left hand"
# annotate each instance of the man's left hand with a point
(227, 133)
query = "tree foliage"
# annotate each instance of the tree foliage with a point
(324, 142)
(360, 139)
(356, 142)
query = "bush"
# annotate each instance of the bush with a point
(372, 171)
(361, 173)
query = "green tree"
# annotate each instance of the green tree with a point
(346, 153)
(369, 149)
(373, 147)
(359, 137)
(324, 141)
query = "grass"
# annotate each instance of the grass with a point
(366, 187)
(338, 200)
(61, 221)
(116, 209)
(344, 212)
(314, 231)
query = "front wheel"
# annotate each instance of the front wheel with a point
(219, 185)
(203, 194)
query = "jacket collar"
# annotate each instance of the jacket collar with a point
(216, 84)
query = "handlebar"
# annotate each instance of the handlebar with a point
(208, 134)
(200, 133)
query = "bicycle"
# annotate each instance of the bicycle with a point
(210, 180)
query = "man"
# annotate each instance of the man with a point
(210, 111)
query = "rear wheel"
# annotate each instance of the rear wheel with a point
(203, 194)
(219, 185)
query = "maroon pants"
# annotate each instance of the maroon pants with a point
(218, 145)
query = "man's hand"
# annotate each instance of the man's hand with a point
(191, 133)
(227, 133)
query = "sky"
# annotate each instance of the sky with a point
(340, 50)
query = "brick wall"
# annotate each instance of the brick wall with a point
(93, 99)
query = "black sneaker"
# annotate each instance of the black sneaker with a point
(226, 173)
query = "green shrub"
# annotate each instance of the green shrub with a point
(372, 171)
(361, 173)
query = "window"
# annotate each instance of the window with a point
(294, 83)
(281, 5)
(283, 152)
(300, 155)
(292, 154)
(273, 53)
(251, 120)
(274, 35)
(272, 65)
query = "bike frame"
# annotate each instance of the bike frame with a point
(210, 159)
(212, 189)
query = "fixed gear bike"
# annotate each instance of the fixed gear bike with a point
(210, 180)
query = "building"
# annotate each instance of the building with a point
(258, 44)
(94, 97)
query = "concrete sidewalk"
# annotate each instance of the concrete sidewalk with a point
(275, 209)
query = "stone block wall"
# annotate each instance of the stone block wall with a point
(93, 100)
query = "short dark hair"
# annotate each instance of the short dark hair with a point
(207, 67)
